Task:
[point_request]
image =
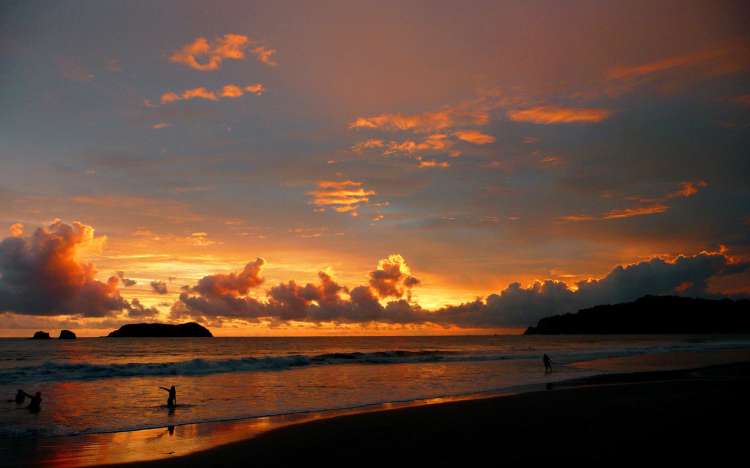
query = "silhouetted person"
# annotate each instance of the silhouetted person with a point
(36, 401)
(547, 363)
(20, 397)
(172, 399)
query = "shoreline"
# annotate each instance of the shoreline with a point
(652, 414)
(181, 442)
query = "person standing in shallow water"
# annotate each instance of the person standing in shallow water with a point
(36, 400)
(172, 398)
(547, 363)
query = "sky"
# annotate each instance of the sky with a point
(338, 167)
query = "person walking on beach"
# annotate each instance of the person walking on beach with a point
(36, 400)
(547, 363)
(172, 399)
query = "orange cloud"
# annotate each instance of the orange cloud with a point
(161, 125)
(264, 55)
(674, 73)
(342, 197)
(692, 59)
(232, 284)
(368, 144)
(474, 137)
(15, 230)
(424, 122)
(688, 189)
(204, 56)
(392, 277)
(576, 218)
(546, 115)
(434, 142)
(636, 211)
(42, 274)
(433, 163)
(228, 91)
(650, 205)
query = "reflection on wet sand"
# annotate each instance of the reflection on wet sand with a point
(171, 441)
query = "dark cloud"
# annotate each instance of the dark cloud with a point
(519, 306)
(392, 277)
(41, 275)
(137, 310)
(126, 282)
(232, 284)
(515, 306)
(159, 287)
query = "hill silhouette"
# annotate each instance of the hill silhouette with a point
(652, 315)
(161, 330)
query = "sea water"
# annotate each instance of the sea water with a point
(94, 385)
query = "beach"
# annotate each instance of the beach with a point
(662, 417)
(677, 410)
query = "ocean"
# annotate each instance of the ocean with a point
(94, 385)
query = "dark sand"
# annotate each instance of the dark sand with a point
(666, 416)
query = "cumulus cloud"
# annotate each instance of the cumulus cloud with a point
(546, 115)
(515, 306)
(232, 284)
(392, 277)
(43, 275)
(159, 287)
(203, 55)
(229, 91)
(343, 197)
(136, 310)
(326, 301)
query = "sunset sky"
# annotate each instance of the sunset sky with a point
(284, 168)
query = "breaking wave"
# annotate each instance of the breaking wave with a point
(57, 371)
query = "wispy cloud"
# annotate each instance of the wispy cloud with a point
(546, 115)
(636, 211)
(228, 91)
(648, 206)
(433, 163)
(718, 58)
(425, 122)
(675, 72)
(205, 56)
(343, 197)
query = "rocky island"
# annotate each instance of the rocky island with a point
(652, 315)
(66, 335)
(161, 330)
(41, 335)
